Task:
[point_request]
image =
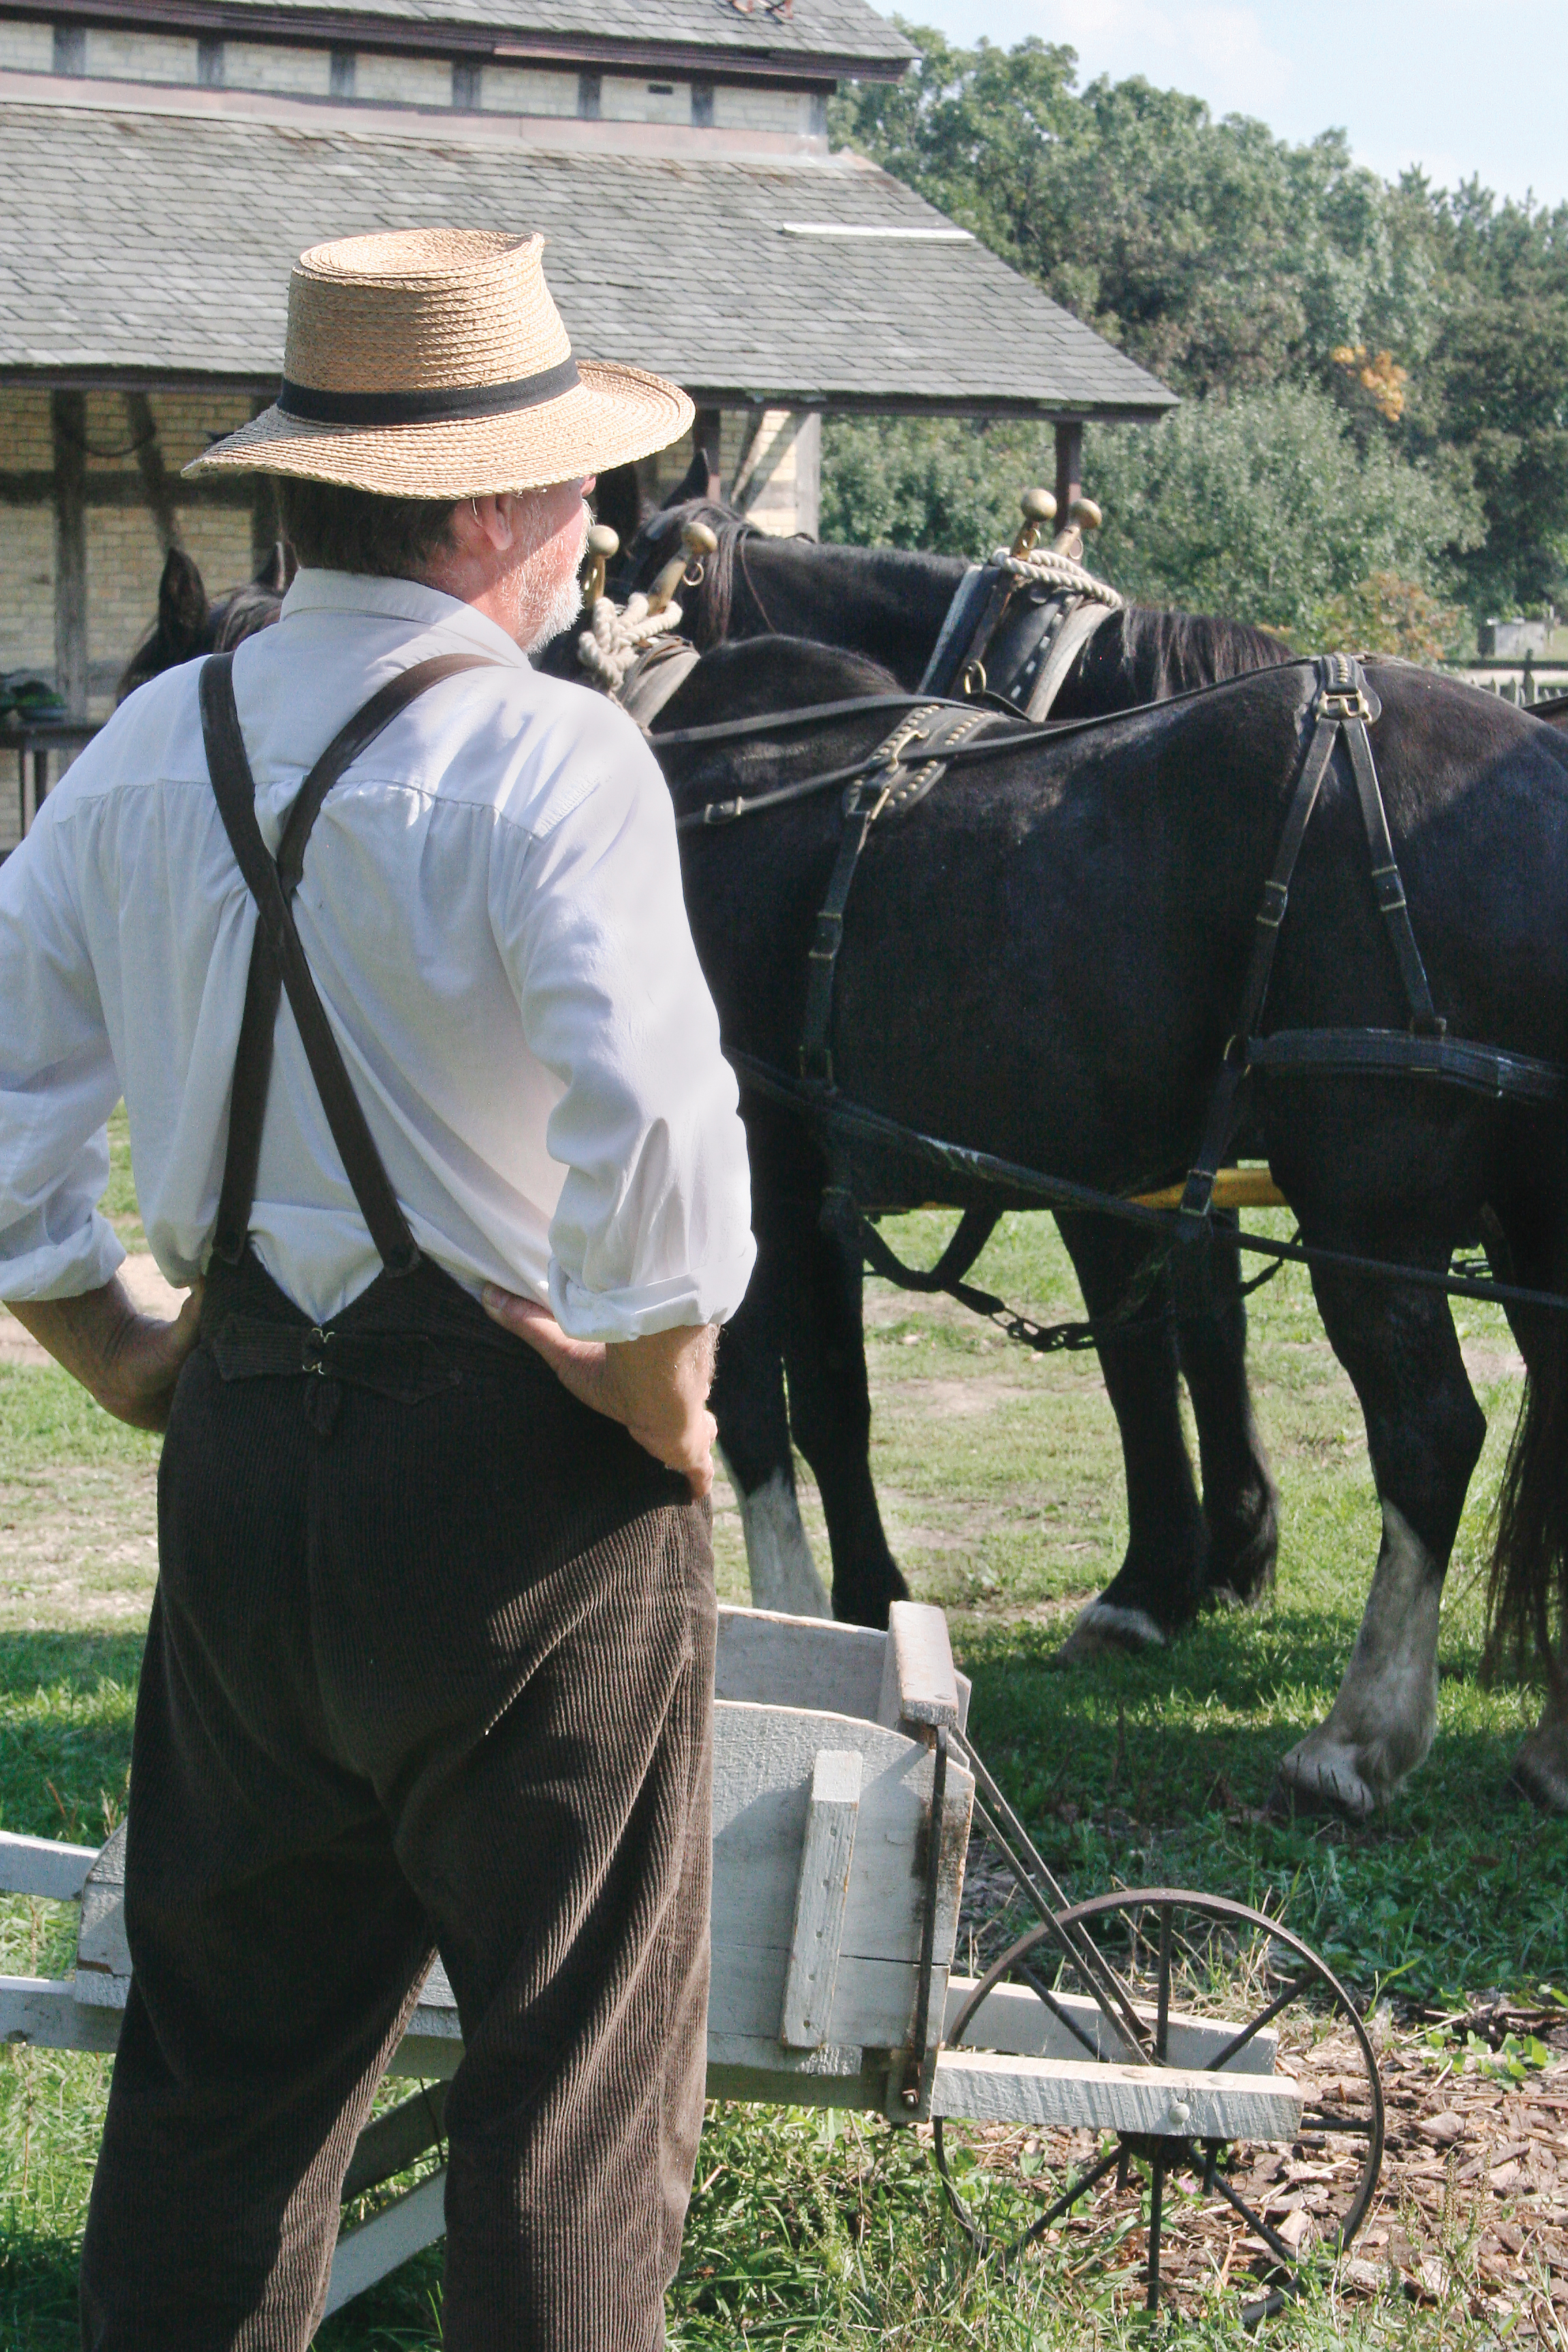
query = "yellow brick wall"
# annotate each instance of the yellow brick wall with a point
(527, 89)
(113, 56)
(272, 65)
(622, 100)
(403, 81)
(26, 47)
(760, 109)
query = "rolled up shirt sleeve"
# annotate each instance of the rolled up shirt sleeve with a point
(652, 1229)
(57, 1081)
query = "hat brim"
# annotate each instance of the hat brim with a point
(613, 415)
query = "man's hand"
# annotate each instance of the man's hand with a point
(655, 1388)
(130, 1363)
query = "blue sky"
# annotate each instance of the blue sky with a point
(1458, 89)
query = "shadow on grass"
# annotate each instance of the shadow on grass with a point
(66, 1701)
(37, 2290)
(1155, 1769)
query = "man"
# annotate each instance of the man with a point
(431, 1660)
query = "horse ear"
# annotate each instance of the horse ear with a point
(277, 570)
(618, 500)
(182, 604)
(695, 485)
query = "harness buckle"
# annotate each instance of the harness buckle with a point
(1345, 704)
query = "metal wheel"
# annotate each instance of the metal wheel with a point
(1213, 1986)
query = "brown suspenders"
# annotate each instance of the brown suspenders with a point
(277, 959)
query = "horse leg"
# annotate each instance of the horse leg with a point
(1157, 1589)
(1519, 1249)
(1424, 1432)
(1241, 1502)
(830, 1414)
(748, 1403)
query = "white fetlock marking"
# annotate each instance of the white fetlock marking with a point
(1104, 1626)
(1381, 1724)
(778, 1550)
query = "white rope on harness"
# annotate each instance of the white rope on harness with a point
(1043, 569)
(618, 634)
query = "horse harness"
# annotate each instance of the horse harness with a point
(1014, 629)
(945, 735)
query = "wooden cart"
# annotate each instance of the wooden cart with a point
(845, 1795)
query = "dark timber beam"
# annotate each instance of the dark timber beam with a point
(31, 486)
(149, 457)
(706, 428)
(67, 423)
(1070, 468)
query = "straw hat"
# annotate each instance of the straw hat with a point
(432, 363)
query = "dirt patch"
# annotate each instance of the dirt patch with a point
(981, 1392)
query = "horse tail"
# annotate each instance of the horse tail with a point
(1527, 1595)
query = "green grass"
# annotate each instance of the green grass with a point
(1001, 1487)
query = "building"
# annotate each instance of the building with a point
(162, 161)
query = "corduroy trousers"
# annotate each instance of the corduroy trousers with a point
(430, 1665)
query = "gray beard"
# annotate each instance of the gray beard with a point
(564, 607)
(567, 602)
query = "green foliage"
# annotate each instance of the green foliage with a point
(1236, 265)
(1267, 508)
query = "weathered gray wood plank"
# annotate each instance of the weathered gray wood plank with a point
(1012, 2019)
(385, 2241)
(918, 1686)
(827, 1855)
(44, 2011)
(768, 1659)
(989, 2086)
(30, 1866)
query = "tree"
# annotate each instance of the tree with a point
(1264, 508)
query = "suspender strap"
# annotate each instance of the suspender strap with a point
(278, 959)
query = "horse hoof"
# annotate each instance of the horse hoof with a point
(1103, 1627)
(1540, 1775)
(1321, 1787)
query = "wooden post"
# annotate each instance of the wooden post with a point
(150, 466)
(808, 474)
(265, 526)
(705, 430)
(1070, 468)
(67, 421)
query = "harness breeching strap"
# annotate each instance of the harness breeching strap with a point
(277, 959)
(1344, 706)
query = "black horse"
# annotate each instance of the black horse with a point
(1084, 911)
(1181, 1552)
(189, 622)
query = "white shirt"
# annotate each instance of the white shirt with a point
(491, 909)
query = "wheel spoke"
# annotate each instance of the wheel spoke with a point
(1080, 2187)
(1270, 2237)
(1264, 2016)
(1362, 2125)
(1156, 2204)
(1162, 2007)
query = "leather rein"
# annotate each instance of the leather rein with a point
(934, 735)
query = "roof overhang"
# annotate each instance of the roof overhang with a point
(363, 29)
(142, 249)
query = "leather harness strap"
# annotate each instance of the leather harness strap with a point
(1344, 706)
(278, 959)
(888, 784)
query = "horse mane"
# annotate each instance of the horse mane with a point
(1157, 654)
(707, 608)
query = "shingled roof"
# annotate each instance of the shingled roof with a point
(824, 35)
(154, 248)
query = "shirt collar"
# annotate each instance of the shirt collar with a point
(356, 593)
